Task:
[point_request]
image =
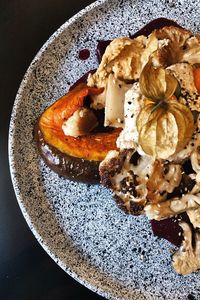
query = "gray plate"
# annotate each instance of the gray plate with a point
(79, 225)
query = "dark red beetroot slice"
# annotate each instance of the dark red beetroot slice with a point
(169, 229)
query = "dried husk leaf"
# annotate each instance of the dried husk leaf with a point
(156, 84)
(152, 82)
(147, 137)
(146, 125)
(166, 135)
(171, 85)
(144, 115)
(188, 118)
(181, 126)
(165, 126)
(165, 129)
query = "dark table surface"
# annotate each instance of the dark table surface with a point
(26, 271)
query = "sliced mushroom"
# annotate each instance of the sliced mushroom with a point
(128, 138)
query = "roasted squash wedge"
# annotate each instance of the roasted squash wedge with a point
(76, 158)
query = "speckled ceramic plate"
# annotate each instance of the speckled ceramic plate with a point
(79, 225)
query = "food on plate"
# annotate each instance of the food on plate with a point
(65, 139)
(147, 149)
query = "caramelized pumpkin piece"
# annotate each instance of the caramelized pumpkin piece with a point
(93, 146)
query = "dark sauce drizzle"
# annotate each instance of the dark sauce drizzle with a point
(84, 54)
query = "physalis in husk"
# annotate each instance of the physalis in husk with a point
(164, 124)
